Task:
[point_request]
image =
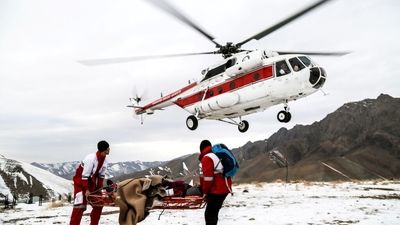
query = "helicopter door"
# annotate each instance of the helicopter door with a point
(281, 68)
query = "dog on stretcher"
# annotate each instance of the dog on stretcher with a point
(135, 197)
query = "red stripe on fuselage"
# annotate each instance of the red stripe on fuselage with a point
(228, 86)
(165, 98)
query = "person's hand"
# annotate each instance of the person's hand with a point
(87, 193)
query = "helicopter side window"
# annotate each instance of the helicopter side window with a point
(296, 64)
(256, 76)
(281, 68)
(220, 90)
(232, 85)
(230, 63)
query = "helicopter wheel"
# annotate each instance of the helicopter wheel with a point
(243, 126)
(284, 116)
(192, 122)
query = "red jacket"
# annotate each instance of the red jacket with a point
(212, 181)
(91, 172)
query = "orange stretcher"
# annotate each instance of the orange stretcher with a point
(103, 198)
(187, 202)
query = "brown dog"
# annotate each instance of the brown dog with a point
(135, 197)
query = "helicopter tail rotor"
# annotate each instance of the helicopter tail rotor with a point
(136, 98)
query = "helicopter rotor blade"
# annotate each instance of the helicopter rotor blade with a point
(313, 53)
(167, 7)
(104, 61)
(283, 22)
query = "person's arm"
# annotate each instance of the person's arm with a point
(102, 174)
(87, 164)
(208, 174)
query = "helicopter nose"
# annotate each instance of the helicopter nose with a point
(317, 77)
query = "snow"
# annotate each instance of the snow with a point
(22, 177)
(185, 167)
(365, 203)
(3, 188)
(116, 167)
(142, 167)
(58, 184)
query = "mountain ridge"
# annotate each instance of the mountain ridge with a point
(67, 169)
(360, 140)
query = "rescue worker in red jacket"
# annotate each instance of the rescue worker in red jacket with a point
(214, 185)
(89, 177)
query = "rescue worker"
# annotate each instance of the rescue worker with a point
(89, 176)
(214, 185)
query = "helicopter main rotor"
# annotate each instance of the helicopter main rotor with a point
(230, 48)
(226, 50)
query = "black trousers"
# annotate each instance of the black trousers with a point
(214, 204)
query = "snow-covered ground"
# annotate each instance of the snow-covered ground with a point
(258, 204)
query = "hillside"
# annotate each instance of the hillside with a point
(19, 179)
(360, 140)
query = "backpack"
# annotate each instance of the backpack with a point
(227, 159)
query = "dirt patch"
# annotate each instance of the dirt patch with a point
(384, 197)
(378, 188)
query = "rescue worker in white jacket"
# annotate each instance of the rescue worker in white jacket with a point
(89, 177)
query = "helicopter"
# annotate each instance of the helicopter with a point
(242, 83)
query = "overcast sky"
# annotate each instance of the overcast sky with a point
(53, 109)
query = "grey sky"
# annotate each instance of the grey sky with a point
(53, 109)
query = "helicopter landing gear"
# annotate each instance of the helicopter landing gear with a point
(243, 126)
(192, 122)
(284, 116)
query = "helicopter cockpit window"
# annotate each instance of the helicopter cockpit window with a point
(296, 64)
(305, 60)
(281, 68)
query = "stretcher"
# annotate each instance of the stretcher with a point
(187, 202)
(104, 198)
(101, 198)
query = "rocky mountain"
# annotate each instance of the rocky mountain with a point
(21, 179)
(360, 140)
(67, 169)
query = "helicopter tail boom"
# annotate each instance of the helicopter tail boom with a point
(162, 102)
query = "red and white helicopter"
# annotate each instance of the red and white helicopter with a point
(244, 82)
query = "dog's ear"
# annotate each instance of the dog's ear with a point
(156, 180)
(146, 183)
